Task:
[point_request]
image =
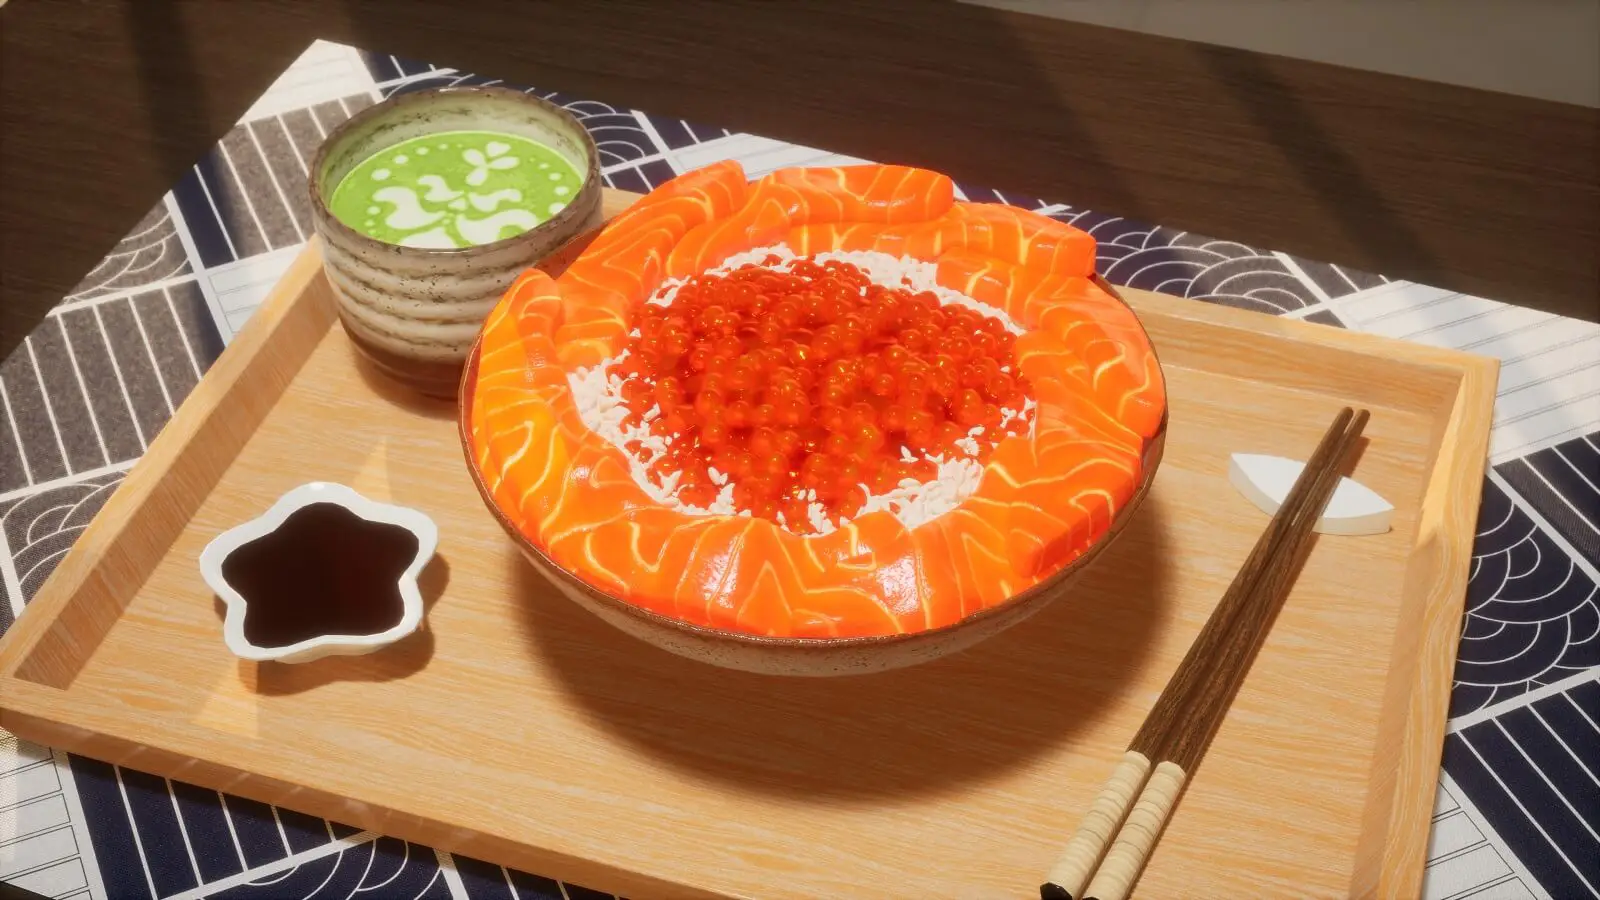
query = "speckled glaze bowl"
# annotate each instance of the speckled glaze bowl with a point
(414, 312)
(807, 657)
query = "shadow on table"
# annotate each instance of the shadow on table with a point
(1349, 197)
(401, 395)
(759, 68)
(919, 730)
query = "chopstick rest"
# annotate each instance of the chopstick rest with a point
(1354, 509)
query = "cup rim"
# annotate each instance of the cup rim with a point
(327, 220)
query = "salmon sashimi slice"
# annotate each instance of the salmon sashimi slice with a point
(525, 417)
(518, 335)
(1027, 527)
(1055, 494)
(652, 544)
(537, 377)
(592, 330)
(762, 222)
(598, 487)
(517, 364)
(935, 564)
(761, 583)
(1080, 483)
(918, 240)
(702, 195)
(764, 586)
(532, 458)
(1124, 370)
(537, 310)
(875, 556)
(706, 567)
(530, 306)
(1064, 390)
(1020, 237)
(1097, 327)
(1071, 497)
(884, 195)
(1128, 383)
(975, 538)
(483, 456)
(1023, 293)
(827, 237)
(791, 199)
(628, 258)
(554, 401)
(501, 479)
(631, 266)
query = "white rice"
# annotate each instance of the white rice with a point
(598, 394)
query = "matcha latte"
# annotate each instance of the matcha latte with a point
(455, 189)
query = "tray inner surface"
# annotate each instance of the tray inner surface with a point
(586, 754)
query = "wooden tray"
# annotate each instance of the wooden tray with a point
(517, 728)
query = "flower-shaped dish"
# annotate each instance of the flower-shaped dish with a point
(324, 572)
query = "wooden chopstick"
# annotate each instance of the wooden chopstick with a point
(1190, 710)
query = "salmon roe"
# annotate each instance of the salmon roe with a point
(808, 383)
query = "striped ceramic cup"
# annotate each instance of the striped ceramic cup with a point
(414, 304)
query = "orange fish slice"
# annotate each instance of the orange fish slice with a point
(598, 488)
(763, 222)
(826, 237)
(653, 545)
(886, 195)
(874, 557)
(1123, 369)
(766, 584)
(1094, 326)
(703, 195)
(628, 259)
(1028, 527)
(1024, 238)
(593, 330)
(1022, 292)
(1064, 389)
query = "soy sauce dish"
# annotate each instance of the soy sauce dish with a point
(324, 572)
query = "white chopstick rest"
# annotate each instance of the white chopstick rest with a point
(1354, 509)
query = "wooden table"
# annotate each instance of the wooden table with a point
(104, 103)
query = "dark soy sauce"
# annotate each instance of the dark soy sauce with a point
(324, 570)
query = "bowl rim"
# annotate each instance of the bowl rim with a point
(326, 219)
(1150, 460)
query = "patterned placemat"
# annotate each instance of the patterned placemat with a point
(80, 400)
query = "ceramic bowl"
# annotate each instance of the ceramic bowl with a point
(811, 657)
(413, 311)
(238, 608)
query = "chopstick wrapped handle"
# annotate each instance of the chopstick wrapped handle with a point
(1126, 858)
(1088, 844)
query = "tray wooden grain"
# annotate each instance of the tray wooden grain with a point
(519, 729)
